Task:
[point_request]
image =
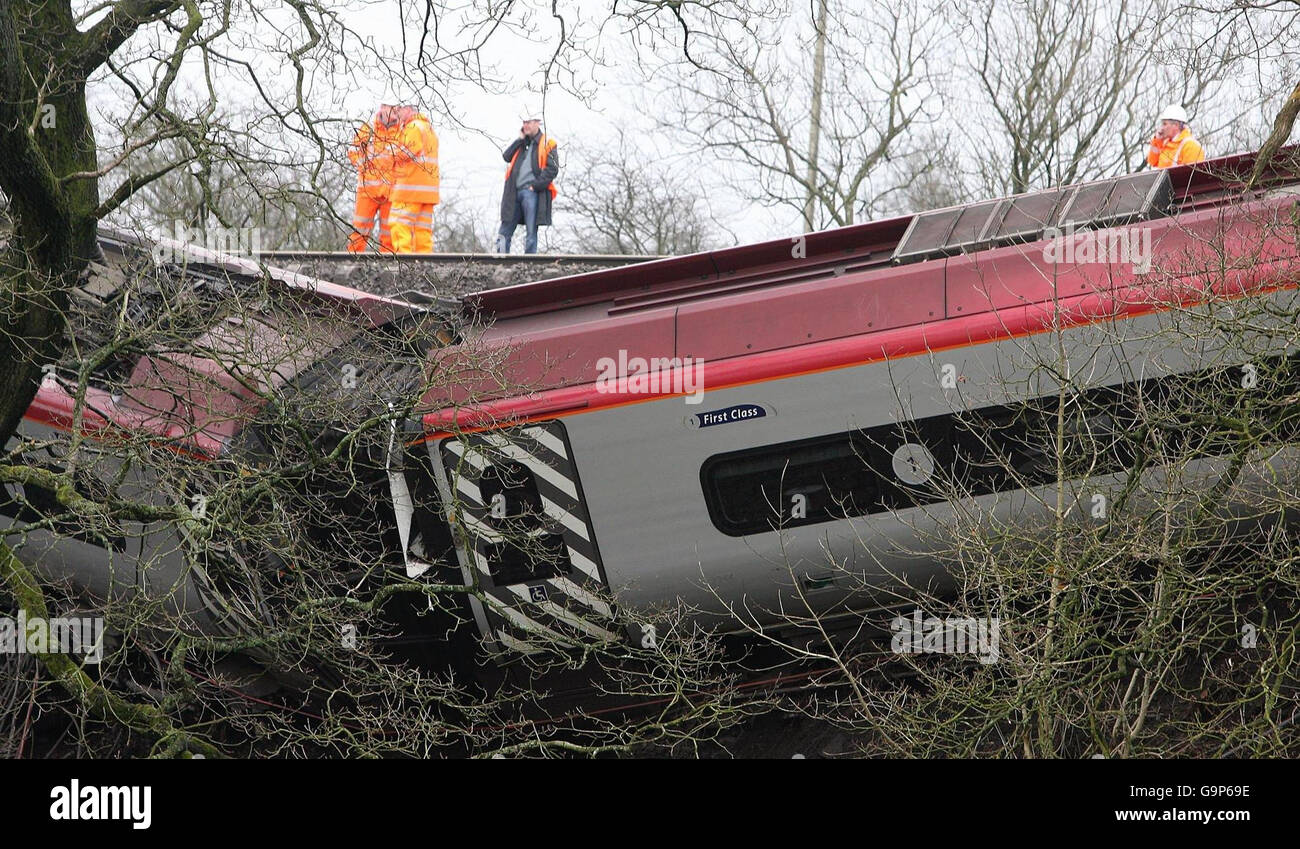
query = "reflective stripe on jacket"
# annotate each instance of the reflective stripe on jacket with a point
(372, 152)
(417, 174)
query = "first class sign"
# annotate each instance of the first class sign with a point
(728, 415)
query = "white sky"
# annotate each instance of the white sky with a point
(483, 122)
(474, 123)
(480, 121)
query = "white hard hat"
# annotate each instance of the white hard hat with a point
(530, 112)
(1174, 112)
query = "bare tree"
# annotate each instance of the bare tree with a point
(1268, 37)
(820, 35)
(286, 207)
(457, 230)
(820, 140)
(624, 199)
(284, 560)
(1070, 94)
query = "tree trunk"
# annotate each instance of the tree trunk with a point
(815, 118)
(46, 133)
(1282, 127)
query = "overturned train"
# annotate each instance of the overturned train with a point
(792, 425)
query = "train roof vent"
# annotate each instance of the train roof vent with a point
(1024, 217)
(1137, 197)
(927, 234)
(1110, 203)
(1084, 204)
(1027, 215)
(973, 225)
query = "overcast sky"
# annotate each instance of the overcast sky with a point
(618, 72)
(474, 120)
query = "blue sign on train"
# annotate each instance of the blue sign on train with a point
(727, 415)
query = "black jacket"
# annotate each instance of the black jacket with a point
(541, 180)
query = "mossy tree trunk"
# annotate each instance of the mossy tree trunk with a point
(45, 139)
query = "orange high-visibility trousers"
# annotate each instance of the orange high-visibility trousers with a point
(363, 223)
(412, 227)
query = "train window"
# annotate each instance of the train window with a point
(796, 483)
(824, 479)
(909, 464)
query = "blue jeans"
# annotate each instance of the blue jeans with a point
(525, 214)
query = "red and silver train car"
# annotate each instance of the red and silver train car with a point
(779, 425)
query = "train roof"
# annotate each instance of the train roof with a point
(196, 396)
(810, 301)
(884, 289)
(835, 252)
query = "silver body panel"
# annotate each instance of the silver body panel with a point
(640, 465)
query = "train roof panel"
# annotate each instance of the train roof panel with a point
(860, 246)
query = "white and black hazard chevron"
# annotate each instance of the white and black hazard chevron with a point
(527, 540)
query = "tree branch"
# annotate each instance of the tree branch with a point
(117, 26)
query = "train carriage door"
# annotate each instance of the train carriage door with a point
(525, 539)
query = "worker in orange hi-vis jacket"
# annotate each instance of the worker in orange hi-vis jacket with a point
(415, 183)
(372, 152)
(1173, 143)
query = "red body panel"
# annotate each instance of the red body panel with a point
(106, 420)
(812, 311)
(195, 401)
(840, 303)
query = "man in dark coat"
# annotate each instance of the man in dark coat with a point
(529, 189)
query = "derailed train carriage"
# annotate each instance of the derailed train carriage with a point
(746, 429)
(853, 381)
(176, 355)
